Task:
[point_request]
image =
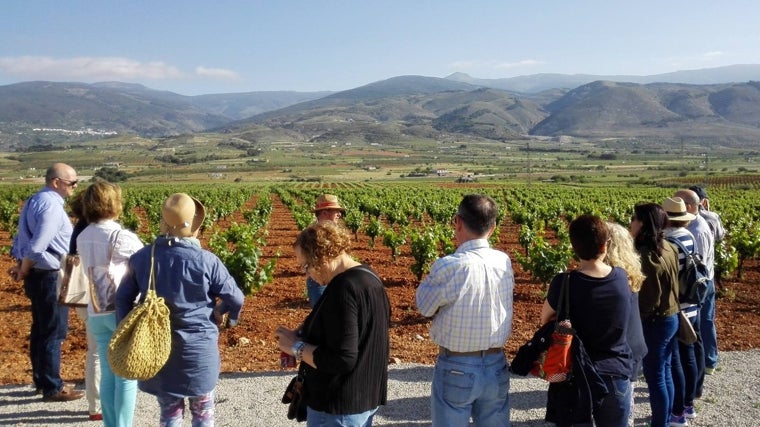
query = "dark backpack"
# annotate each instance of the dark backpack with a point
(692, 276)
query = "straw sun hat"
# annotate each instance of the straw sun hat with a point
(182, 215)
(328, 201)
(676, 209)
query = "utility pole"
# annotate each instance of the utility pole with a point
(527, 145)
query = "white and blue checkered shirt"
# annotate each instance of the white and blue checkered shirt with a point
(469, 296)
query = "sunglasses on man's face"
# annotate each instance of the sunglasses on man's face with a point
(69, 182)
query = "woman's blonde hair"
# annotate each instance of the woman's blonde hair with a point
(621, 253)
(323, 241)
(102, 200)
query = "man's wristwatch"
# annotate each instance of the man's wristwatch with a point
(297, 350)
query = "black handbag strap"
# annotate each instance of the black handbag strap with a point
(563, 306)
(366, 269)
(301, 376)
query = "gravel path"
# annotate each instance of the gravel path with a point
(732, 398)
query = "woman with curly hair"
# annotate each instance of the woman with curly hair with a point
(621, 253)
(343, 344)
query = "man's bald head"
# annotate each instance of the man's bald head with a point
(690, 198)
(60, 170)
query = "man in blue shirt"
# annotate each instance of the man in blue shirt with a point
(469, 296)
(704, 245)
(707, 311)
(44, 233)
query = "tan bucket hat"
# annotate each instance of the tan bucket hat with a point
(181, 215)
(676, 209)
(328, 201)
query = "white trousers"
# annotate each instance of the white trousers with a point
(91, 368)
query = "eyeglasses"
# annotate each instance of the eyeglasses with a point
(68, 182)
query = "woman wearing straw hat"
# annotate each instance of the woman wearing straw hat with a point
(686, 367)
(190, 279)
(327, 208)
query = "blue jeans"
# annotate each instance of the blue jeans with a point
(687, 367)
(323, 419)
(50, 323)
(173, 410)
(615, 408)
(660, 337)
(465, 386)
(314, 290)
(117, 395)
(707, 326)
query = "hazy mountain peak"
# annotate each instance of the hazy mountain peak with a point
(535, 83)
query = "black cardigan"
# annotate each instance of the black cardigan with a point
(350, 326)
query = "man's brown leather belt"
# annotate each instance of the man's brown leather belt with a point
(446, 352)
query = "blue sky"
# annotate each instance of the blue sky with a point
(195, 47)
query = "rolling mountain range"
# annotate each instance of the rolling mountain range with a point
(406, 108)
(535, 83)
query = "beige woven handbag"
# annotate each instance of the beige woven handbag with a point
(141, 344)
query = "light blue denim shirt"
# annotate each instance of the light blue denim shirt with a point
(190, 279)
(44, 230)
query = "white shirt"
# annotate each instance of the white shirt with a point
(704, 243)
(94, 245)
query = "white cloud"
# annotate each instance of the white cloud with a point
(217, 73)
(712, 55)
(86, 68)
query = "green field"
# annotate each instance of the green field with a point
(415, 213)
(229, 158)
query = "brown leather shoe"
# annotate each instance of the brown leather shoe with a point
(65, 384)
(66, 394)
